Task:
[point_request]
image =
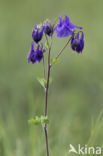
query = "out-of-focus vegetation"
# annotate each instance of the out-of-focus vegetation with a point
(76, 93)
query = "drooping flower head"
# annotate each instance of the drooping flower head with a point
(39, 53)
(64, 28)
(37, 33)
(35, 55)
(77, 42)
(48, 27)
(32, 54)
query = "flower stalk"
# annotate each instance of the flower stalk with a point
(46, 95)
(60, 52)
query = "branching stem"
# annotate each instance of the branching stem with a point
(60, 52)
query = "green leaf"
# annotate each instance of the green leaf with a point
(55, 60)
(43, 82)
(39, 120)
(44, 119)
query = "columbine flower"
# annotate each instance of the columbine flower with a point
(39, 53)
(64, 28)
(47, 27)
(37, 33)
(32, 54)
(77, 42)
(35, 55)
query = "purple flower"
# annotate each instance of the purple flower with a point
(39, 53)
(77, 43)
(47, 27)
(35, 55)
(64, 28)
(37, 33)
(32, 54)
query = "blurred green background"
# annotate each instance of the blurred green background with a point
(76, 93)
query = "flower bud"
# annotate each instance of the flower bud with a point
(48, 27)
